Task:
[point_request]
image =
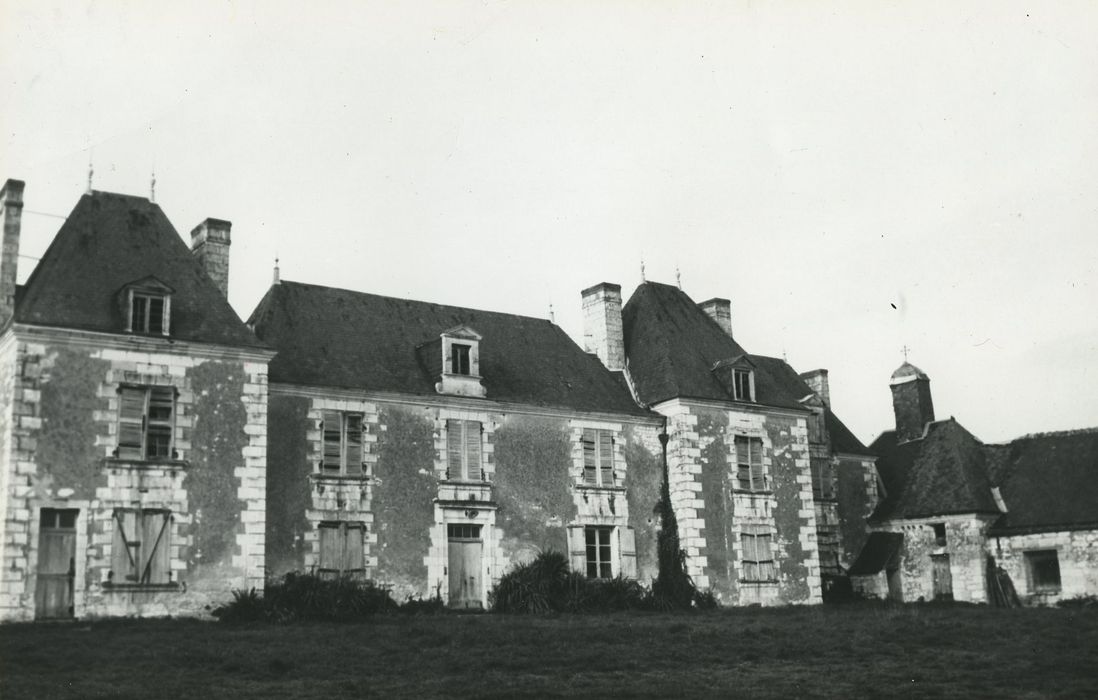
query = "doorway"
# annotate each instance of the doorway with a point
(465, 566)
(942, 579)
(53, 593)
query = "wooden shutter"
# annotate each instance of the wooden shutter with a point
(758, 482)
(577, 550)
(472, 450)
(743, 464)
(606, 458)
(766, 557)
(155, 550)
(331, 551)
(354, 559)
(131, 422)
(590, 473)
(125, 547)
(627, 546)
(353, 437)
(454, 441)
(333, 434)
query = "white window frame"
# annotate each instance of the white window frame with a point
(757, 477)
(142, 325)
(148, 422)
(344, 457)
(602, 568)
(743, 384)
(598, 471)
(468, 467)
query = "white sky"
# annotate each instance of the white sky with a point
(816, 162)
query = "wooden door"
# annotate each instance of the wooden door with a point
(56, 564)
(895, 585)
(465, 566)
(942, 578)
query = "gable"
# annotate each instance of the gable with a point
(111, 241)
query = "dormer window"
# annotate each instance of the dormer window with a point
(737, 376)
(459, 358)
(147, 307)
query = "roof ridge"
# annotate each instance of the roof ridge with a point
(1049, 434)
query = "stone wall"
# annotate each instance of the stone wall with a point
(61, 438)
(1077, 557)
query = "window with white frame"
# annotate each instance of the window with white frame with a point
(459, 358)
(1043, 570)
(141, 547)
(742, 384)
(757, 557)
(342, 549)
(598, 551)
(463, 450)
(146, 422)
(342, 443)
(598, 457)
(749, 464)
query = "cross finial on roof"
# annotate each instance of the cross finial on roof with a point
(642, 269)
(152, 187)
(905, 350)
(678, 277)
(276, 279)
(552, 316)
(91, 172)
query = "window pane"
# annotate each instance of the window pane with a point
(140, 314)
(156, 314)
(159, 441)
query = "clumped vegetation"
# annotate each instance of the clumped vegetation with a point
(309, 597)
(545, 585)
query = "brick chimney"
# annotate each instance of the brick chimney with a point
(11, 211)
(720, 310)
(911, 402)
(602, 330)
(210, 246)
(817, 382)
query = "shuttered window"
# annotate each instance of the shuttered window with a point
(597, 540)
(342, 550)
(463, 450)
(141, 550)
(749, 464)
(342, 443)
(823, 482)
(758, 558)
(146, 422)
(598, 457)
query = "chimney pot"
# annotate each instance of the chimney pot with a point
(817, 382)
(602, 329)
(210, 242)
(11, 215)
(720, 310)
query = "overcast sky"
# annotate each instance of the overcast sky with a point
(855, 177)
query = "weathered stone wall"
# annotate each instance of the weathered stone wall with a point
(1077, 555)
(713, 513)
(62, 441)
(966, 546)
(856, 496)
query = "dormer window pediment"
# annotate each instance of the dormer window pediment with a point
(146, 307)
(737, 376)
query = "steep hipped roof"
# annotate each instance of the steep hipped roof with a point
(842, 440)
(672, 346)
(943, 473)
(1049, 482)
(908, 370)
(108, 242)
(340, 338)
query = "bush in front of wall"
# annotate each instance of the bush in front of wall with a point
(299, 596)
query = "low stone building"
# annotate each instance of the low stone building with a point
(966, 521)
(133, 422)
(433, 447)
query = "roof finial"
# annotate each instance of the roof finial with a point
(905, 350)
(552, 316)
(276, 279)
(91, 172)
(678, 277)
(642, 269)
(152, 186)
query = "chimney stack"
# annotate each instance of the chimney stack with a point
(911, 402)
(817, 382)
(602, 329)
(720, 310)
(11, 211)
(210, 246)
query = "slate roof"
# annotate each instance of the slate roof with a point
(1047, 482)
(107, 242)
(672, 346)
(331, 337)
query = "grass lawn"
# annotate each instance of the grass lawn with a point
(845, 651)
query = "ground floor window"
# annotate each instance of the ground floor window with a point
(342, 550)
(758, 557)
(141, 548)
(597, 540)
(1043, 568)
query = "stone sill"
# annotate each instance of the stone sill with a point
(133, 463)
(340, 477)
(596, 489)
(768, 582)
(743, 492)
(109, 587)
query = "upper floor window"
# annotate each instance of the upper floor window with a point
(742, 382)
(598, 457)
(749, 464)
(342, 443)
(146, 422)
(939, 534)
(816, 432)
(823, 480)
(463, 450)
(147, 307)
(141, 548)
(737, 377)
(459, 358)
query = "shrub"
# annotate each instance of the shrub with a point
(1083, 601)
(539, 586)
(246, 606)
(308, 597)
